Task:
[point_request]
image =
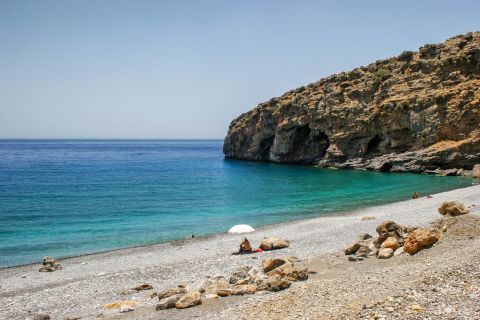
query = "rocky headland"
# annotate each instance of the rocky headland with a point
(417, 112)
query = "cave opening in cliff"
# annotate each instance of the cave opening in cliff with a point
(373, 145)
(308, 147)
(265, 146)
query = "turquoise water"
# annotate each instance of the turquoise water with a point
(66, 198)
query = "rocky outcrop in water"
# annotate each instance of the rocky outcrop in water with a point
(415, 112)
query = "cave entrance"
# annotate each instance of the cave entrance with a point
(373, 145)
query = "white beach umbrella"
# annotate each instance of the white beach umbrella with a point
(241, 228)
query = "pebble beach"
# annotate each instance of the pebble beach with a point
(86, 283)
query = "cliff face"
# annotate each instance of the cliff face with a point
(415, 112)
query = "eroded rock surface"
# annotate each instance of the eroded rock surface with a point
(415, 112)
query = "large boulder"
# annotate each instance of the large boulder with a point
(420, 239)
(272, 243)
(189, 300)
(453, 208)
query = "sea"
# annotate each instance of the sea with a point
(66, 198)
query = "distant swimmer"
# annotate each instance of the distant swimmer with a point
(415, 195)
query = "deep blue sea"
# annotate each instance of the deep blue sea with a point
(66, 198)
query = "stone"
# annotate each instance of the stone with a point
(289, 272)
(390, 229)
(351, 249)
(189, 300)
(211, 286)
(273, 243)
(417, 308)
(241, 290)
(49, 265)
(142, 287)
(120, 304)
(171, 292)
(211, 296)
(169, 302)
(476, 171)
(274, 284)
(364, 236)
(363, 251)
(391, 242)
(225, 292)
(421, 239)
(355, 258)
(453, 208)
(368, 218)
(449, 172)
(245, 274)
(272, 263)
(385, 253)
(399, 251)
(41, 316)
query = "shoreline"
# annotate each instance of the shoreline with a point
(94, 280)
(214, 235)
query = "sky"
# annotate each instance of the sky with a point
(142, 69)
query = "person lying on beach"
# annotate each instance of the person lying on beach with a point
(245, 246)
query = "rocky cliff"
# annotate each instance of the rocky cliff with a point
(416, 112)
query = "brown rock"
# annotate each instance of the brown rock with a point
(169, 302)
(351, 249)
(289, 272)
(171, 292)
(274, 283)
(363, 251)
(453, 208)
(41, 316)
(385, 253)
(211, 286)
(241, 290)
(142, 287)
(391, 242)
(420, 239)
(189, 300)
(273, 244)
(224, 292)
(272, 263)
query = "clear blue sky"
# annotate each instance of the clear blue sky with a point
(185, 69)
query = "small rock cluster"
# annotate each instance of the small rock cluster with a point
(49, 264)
(392, 239)
(276, 275)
